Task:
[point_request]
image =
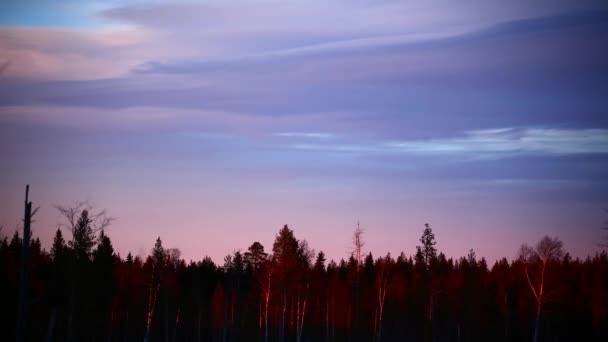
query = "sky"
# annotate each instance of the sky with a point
(213, 123)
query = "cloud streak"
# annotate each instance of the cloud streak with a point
(314, 135)
(493, 143)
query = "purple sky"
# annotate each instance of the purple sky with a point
(213, 123)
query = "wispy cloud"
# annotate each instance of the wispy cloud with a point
(315, 135)
(499, 142)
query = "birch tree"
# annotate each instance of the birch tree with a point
(535, 262)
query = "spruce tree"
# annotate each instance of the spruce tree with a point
(83, 239)
(59, 248)
(320, 262)
(428, 251)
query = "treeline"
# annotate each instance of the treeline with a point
(82, 290)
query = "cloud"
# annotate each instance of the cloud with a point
(386, 45)
(67, 54)
(314, 135)
(491, 143)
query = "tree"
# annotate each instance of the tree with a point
(158, 264)
(358, 245)
(25, 268)
(285, 250)
(104, 261)
(97, 220)
(384, 267)
(104, 252)
(265, 278)
(472, 257)
(536, 261)
(59, 248)
(255, 256)
(292, 262)
(83, 239)
(319, 266)
(358, 258)
(428, 251)
(83, 222)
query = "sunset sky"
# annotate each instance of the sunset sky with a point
(213, 123)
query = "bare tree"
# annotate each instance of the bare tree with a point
(25, 264)
(358, 253)
(99, 219)
(358, 244)
(535, 261)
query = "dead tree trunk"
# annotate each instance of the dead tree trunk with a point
(22, 307)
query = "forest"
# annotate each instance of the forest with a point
(82, 290)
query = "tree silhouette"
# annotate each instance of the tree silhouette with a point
(427, 249)
(536, 260)
(255, 256)
(157, 260)
(82, 290)
(83, 239)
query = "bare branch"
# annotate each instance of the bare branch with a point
(99, 219)
(549, 249)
